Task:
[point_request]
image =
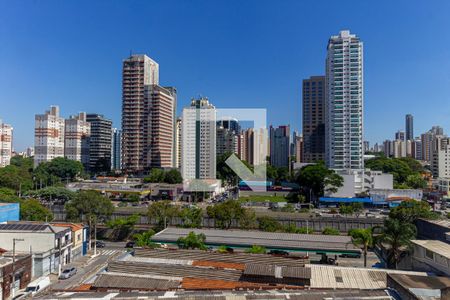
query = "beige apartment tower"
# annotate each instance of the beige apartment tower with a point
(6, 131)
(48, 136)
(76, 139)
(148, 117)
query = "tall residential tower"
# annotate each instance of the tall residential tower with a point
(148, 116)
(344, 102)
(313, 93)
(6, 131)
(48, 136)
(198, 135)
(100, 143)
(409, 127)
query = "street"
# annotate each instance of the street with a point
(88, 266)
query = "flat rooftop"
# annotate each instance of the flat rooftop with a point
(435, 246)
(270, 240)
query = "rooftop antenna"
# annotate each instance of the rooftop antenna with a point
(131, 52)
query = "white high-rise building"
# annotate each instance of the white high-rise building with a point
(198, 136)
(48, 136)
(77, 138)
(5, 143)
(344, 102)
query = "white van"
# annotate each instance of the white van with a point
(38, 285)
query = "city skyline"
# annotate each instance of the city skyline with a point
(98, 89)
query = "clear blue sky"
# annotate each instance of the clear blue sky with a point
(238, 53)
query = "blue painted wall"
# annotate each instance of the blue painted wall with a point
(9, 212)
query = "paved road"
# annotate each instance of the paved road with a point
(86, 267)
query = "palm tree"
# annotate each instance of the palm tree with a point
(396, 237)
(144, 239)
(362, 238)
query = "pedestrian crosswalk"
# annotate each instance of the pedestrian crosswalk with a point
(110, 252)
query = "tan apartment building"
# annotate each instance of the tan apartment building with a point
(48, 136)
(159, 128)
(148, 117)
(76, 142)
(6, 131)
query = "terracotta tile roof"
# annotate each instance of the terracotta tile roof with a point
(73, 226)
(218, 264)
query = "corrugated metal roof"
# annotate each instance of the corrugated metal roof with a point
(327, 277)
(266, 239)
(277, 271)
(131, 282)
(236, 258)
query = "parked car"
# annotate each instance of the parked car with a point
(67, 273)
(38, 285)
(130, 244)
(100, 244)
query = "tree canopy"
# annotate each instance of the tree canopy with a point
(192, 241)
(161, 213)
(406, 171)
(410, 211)
(159, 175)
(362, 237)
(90, 205)
(319, 179)
(224, 214)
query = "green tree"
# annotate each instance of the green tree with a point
(144, 239)
(192, 217)
(415, 181)
(122, 227)
(400, 168)
(192, 241)
(411, 210)
(156, 175)
(330, 231)
(413, 164)
(59, 168)
(319, 179)
(14, 178)
(362, 238)
(8, 195)
(269, 224)
(396, 238)
(90, 206)
(53, 194)
(291, 228)
(255, 249)
(32, 210)
(173, 176)
(162, 212)
(226, 212)
(346, 210)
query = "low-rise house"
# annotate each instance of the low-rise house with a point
(80, 238)
(20, 271)
(432, 256)
(49, 245)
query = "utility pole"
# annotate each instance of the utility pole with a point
(13, 266)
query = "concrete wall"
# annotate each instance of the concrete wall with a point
(36, 241)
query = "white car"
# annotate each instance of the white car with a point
(67, 273)
(38, 285)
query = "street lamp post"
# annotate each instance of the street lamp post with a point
(13, 266)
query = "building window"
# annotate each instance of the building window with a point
(429, 254)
